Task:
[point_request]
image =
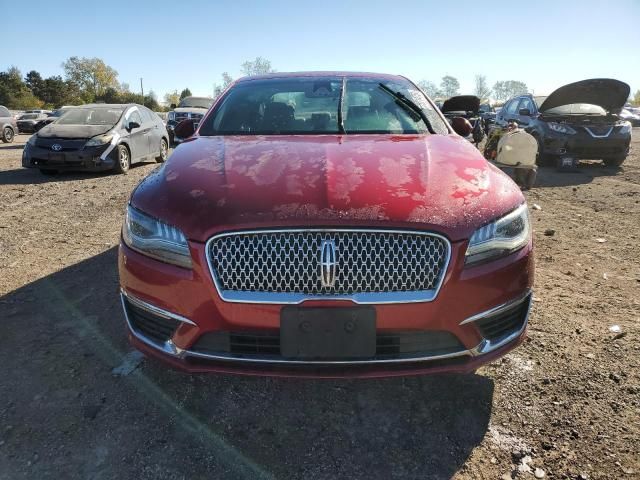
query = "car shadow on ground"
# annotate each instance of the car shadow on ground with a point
(11, 146)
(585, 173)
(33, 176)
(64, 333)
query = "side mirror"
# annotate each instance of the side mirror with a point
(184, 129)
(172, 106)
(525, 112)
(133, 125)
(461, 126)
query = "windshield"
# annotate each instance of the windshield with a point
(91, 116)
(197, 102)
(314, 106)
(29, 116)
(572, 109)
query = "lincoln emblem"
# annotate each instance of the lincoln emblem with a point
(328, 262)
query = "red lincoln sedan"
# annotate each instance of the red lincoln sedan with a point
(326, 224)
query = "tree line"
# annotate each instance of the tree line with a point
(449, 86)
(89, 80)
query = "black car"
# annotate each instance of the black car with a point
(96, 138)
(466, 106)
(51, 117)
(578, 121)
(27, 122)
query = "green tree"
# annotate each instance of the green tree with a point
(185, 93)
(56, 92)
(259, 66)
(151, 101)
(504, 90)
(636, 98)
(430, 88)
(450, 86)
(35, 83)
(91, 75)
(14, 93)
(482, 90)
(172, 98)
(226, 81)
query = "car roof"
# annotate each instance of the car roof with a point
(108, 105)
(385, 76)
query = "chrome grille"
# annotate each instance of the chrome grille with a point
(370, 266)
(184, 115)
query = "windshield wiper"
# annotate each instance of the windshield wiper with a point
(340, 101)
(409, 106)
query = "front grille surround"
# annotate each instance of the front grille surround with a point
(390, 345)
(379, 289)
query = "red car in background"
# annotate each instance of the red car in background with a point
(326, 224)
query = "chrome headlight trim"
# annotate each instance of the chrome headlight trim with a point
(500, 237)
(155, 239)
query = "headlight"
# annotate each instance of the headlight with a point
(626, 128)
(500, 238)
(171, 116)
(155, 238)
(561, 128)
(99, 140)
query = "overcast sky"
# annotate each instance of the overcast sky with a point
(542, 43)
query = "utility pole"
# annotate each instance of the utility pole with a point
(142, 89)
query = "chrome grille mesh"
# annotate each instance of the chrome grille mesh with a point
(286, 262)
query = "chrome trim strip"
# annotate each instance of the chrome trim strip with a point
(168, 347)
(235, 359)
(155, 310)
(487, 346)
(234, 296)
(496, 310)
(599, 136)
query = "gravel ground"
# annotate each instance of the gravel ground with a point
(564, 405)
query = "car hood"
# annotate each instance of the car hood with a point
(605, 92)
(461, 103)
(433, 182)
(56, 130)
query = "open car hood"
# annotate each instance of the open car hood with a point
(462, 103)
(607, 93)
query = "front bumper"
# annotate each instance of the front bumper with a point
(584, 146)
(85, 159)
(177, 316)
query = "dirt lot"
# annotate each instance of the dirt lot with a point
(567, 402)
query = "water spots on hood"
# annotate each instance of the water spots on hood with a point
(347, 177)
(396, 171)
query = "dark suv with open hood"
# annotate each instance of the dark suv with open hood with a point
(466, 106)
(579, 120)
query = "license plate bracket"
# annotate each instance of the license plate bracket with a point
(328, 332)
(56, 157)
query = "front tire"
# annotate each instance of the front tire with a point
(164, 151)
(123, 160)
(614, 161)
(7, 135)
(544, 159)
